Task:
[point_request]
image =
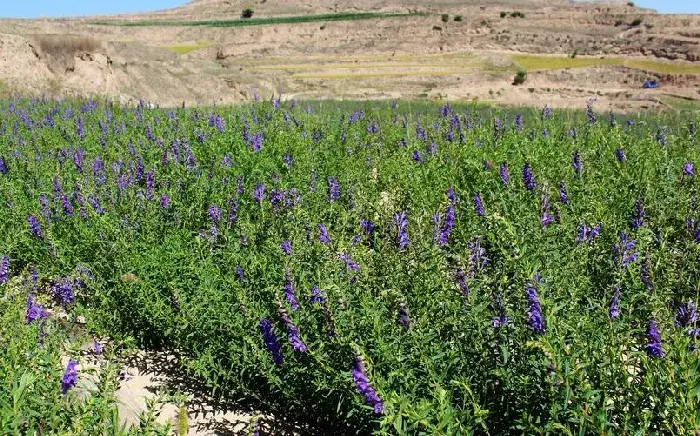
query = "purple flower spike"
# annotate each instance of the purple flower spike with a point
(4, 269)
(292, 330)
(34, 311)
(686, 315)
(259, 193)
(576, 162)
(654, 348)
(323, 235)
(401, 221)
(316, 296)
(164, 201)
(620, 155)
(403, 316)
(688, 169)
(271, 342)
(359, 374)
(333, 189)
(563, 194)
(70, 377)
(638, 215)
(534, 314)
(614, 311)
(286, 247)
(478, 205)
(289, 291)
(503, 173)
(528, 178)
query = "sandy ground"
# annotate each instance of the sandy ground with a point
(418, 57)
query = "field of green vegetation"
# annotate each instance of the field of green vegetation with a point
(359, 267)
(291, 19)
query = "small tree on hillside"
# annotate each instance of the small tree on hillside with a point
(247, 13)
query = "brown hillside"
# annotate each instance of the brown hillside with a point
(571, 51)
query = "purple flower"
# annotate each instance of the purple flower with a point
(451, 196)
(232, 212)
(164, 201)
(576, 162)
(614, 311)
(403, 316)
(477, 256)
(503, 173)
(240, 273)
(240, 188)
(63, 291)
(94, 202)
(97, 348)
(620, 155)
(333, 189)
(34, 226)
(638, 215)
(478, 205)
(359, 375)
(367, 226)
(292, 331)
(401, 221)
(70, 377)
(350, 264)
(688, 169)
(259, 193)
(654, 340)
(286, 247)
(546, 111)
(546, 217)
(500, 319)
(323, 235)
(45, 210)
(461, 279)
(534, 314)
(67, 207)
(214, 213)
(528, 178)
(436, 230)
(271, 342)
(316, 296)
(447, 227)
(519, 122)
(582, 234)
(288, 161)
(256, 142)
(289, 291)
(150, 184)
(3, 166)
(4, 269)
(686, 315)
(624, 251)
(34, 311)
(563, 194)
(417, 157)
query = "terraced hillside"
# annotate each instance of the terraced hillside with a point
(205, 53)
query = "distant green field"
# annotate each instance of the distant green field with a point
(187, 48)
(258, 21)
(537, 62)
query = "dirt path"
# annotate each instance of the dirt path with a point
(149, 376)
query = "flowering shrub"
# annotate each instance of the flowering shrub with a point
(422, 289)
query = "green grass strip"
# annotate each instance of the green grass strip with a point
(259, 21)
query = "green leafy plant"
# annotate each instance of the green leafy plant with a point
(520, 77)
